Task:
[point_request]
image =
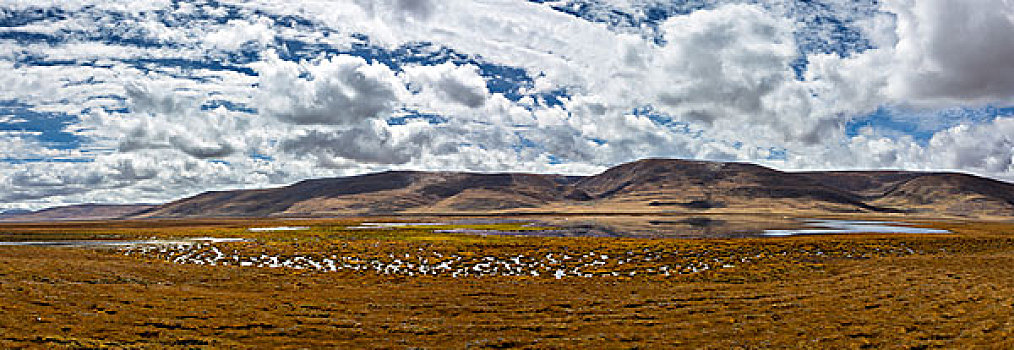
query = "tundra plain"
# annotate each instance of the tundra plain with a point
(346, 283)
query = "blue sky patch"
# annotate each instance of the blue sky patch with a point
(922, 125)
(409, 115)
(51, 127)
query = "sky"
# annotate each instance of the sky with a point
(116, 101)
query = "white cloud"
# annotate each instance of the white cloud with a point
(985, 148)
(451, 82)
(723, 75)
(340, 90)
(952, 51)
(728, 66)
(236, 33)
(932, 54)
(372, 142)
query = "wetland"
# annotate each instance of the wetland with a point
(535, 282)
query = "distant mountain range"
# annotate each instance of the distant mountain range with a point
(75, 212)
(645, 186)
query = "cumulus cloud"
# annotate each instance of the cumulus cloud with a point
(451, 82)
(404, 10)
(163, 118)
(986, 148)
(237, 33)
(373, 142)
(151, 99)
(952, 51)
(202, 148)
(166, 107)
(340, 90)
(729, 65)
(932, 54)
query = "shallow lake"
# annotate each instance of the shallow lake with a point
(111, 243)
(716, 226)
(278, 228)
(851, 227)
(626, 226)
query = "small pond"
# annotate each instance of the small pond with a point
(111, 243)
(278, 228)
(825, 227)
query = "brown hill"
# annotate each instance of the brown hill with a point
(646, 186)
(701, 185)
(381, 193)
(953, 194)
(868, 184)
(78, 212)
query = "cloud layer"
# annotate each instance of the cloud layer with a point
(117, 101)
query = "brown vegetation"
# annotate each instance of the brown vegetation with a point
(859, 291)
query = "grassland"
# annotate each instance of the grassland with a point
(860, 291)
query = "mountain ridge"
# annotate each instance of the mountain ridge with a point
(654, 185)
(87, 211)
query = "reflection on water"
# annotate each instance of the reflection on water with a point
(848, 227)
(717, 226)
(391, 225)
(279, 228)
(106, 243)
(626, 226)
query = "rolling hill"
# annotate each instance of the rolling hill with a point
(380, 193)
(77, 212)
(645, 186)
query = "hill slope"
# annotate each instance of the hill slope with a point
(699, 185)
(929, 193)
(381, 193)
(648, 186)
(78, 212)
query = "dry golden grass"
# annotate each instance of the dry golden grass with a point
(894, 291)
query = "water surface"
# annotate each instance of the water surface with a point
(714, 226)
(852, 227)
(279, 228)
(111, 243)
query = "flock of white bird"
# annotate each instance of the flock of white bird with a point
(423, 262)
(557, 265)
